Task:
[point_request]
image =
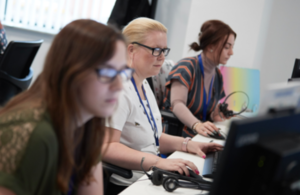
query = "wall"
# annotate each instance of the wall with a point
(244, 17)
(267, 33)
(282, 45)
(174, 14)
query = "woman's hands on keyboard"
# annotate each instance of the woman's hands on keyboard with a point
(201, 148)
(178, 165)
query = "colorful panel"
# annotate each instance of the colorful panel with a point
(241, 79)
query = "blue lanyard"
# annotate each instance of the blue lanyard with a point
(154, 128)
(210, 88)
(71, 184)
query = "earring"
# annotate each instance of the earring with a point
(211, 50)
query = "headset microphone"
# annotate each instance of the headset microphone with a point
(229, 113)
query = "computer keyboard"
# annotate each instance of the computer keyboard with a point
(215, 160)
(210, 164)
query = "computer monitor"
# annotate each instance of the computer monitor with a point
(261, 156)
(296, 70)
(280, 95)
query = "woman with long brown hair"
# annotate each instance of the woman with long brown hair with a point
(195, 84)
(51, 135)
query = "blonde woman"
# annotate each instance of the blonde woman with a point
(136, 124)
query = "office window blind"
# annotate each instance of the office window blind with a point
(51, 15)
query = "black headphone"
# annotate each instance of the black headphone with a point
(228, 113)
(172, 180)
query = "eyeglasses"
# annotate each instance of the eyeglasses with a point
(107, 75)
(155, 51)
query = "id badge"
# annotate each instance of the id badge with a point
(157, 150)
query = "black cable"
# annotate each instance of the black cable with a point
(149, 176)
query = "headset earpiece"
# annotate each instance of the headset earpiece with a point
(224, 106)
(170, 184)
(157, 178)
(227, 113)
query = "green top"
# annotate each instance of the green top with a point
(28, 152)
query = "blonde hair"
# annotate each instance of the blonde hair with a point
(137, 29)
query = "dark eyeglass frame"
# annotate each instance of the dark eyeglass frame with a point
(117, 72)
(154, 49)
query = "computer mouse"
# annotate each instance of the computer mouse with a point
(192, 174)
(217, 135)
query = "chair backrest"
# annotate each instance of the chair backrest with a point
(158, 82)
(15, 71)
(18, 56)
(171, 125)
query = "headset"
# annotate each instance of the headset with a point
(228, 113)
(172, 180)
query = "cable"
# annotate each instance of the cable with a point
(149, 176)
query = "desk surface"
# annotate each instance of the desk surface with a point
(144, 185)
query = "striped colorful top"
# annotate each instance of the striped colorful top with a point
(187, 72)
(3, 40)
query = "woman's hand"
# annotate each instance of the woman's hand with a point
(179, 165)
(201, 148)
(207, 128)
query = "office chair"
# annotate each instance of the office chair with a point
(171, 124)
(15, 71)
(109, 169)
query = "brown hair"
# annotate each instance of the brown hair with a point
(212, 32)
(77, 49)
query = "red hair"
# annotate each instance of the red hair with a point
(212, 32)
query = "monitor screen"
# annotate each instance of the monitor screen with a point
(244, 168)
(280, 95)
(296, 70)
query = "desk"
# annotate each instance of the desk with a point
(144, 185)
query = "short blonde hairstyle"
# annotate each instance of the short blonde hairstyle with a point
(137, 29)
